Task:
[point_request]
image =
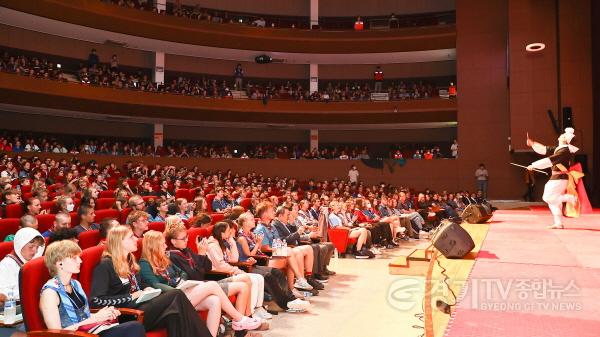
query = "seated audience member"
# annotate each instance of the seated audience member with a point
(86, 219)
(146, 190)
(157, 271)
(388, 216)
(26, 221)
(381, 232)
(89, 196)
(222, 250)
(201, 206)
(275, 281)
(63, 303)
(105, 226)
(234, 212)
(33, 206)
(406, 208)
(162, 210)
(61, 220)
(323, 251)
(338, 220)
(183, 209)
(301, 258)
(196, 265)
(40, 193)
(116, 282)
(65, 204)
(359, 24)
(10, 196)
(202, 220)
(28, 244)
(138, 222)
(164, 192)
(137, 203)
(64, 234)
(304, 213)
(219, 203)
(121, 197)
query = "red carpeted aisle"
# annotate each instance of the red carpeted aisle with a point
(530, 281)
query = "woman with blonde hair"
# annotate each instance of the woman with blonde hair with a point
(116, 282)
(196, 265)
(158, 271)
(64, 304)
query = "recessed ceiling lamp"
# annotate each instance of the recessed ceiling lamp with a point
(535, 47)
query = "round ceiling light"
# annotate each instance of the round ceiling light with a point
(535, 47)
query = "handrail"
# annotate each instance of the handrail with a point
(95, 14)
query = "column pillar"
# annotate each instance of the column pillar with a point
(314, 139)
(158, 74)
(314, 13)
(314, 78)
(158, 135)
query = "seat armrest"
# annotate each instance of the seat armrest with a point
(59, 333)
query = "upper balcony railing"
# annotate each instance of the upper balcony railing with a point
(108, 17)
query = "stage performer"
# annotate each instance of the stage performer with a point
(555, 190)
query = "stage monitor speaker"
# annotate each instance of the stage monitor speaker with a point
(453, 241)
(476, 214)
(567, 117)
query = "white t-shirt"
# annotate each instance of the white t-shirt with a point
(353, 176)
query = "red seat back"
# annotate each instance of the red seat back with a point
(124, 213)
(45, 222)
(105, 203)
(138, 252)
(209, 200)
(14, 211)
(184, 193)
(74, 219)
(246, 203)
(32, 277)
(9, 226)
(106, 213)
(193, 233)
(107, 194)
(156, 226)
(50, 206)
(89, 239)
(216, 217)
(27, 189)
(89, 259)
(5, 248)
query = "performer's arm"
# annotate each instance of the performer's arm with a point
(537, 147)
(541, 164)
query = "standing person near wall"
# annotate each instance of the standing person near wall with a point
(353, 175)
(378, 77)
(481, 177)
(238, 75)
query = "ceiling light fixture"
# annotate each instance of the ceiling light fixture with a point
(535, 47)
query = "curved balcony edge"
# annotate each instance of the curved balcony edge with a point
(95, 14)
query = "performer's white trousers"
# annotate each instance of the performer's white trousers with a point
(554, 196)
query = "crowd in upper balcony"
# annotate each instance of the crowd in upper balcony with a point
(110, 73)
(199, 13)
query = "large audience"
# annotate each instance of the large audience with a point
(199, 13)
(246, 218)
(11, 141)
(111, 74)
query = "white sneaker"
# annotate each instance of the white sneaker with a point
(298, 294)
(301, 283)
(375, 251)
(261, 313)
(298, 305)
(556, 226)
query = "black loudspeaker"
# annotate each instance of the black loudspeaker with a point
(567, 117)
(476, 213)
(452, 240)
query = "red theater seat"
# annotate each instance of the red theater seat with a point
(246, 203)
(156, 226)
(124, 213)
(5, 248)
(209, 200)
(216, 217)
(106, 213)
(89, 239)
(45, 222)
(107, 194)
(184, 193)
(105, 203)
(49, 206)
(14, 211)
(193, 234)
(8, 226)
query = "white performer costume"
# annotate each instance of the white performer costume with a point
(555, 189)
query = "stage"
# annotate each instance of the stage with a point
(525, 280)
